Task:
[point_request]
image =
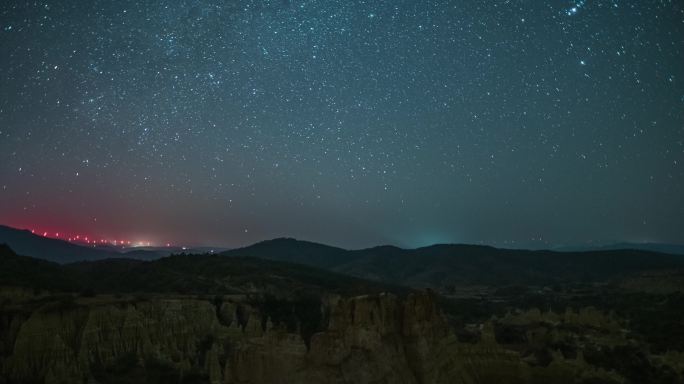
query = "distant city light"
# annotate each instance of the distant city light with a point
(88, 240)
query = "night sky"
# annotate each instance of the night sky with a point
(355, 123)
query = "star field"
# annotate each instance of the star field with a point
(356, 123)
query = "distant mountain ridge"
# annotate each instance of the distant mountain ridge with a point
(26, 243)
(436, 266)
(295, 251)
(673, 249)
(447, 264)
(179, 274)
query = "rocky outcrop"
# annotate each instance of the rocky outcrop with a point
(366, 339)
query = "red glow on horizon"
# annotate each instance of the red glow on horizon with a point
(84, 239)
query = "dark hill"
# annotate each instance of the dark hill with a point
(673, 249)
(180, 274)
(295, 251)
(440, 265)
(26, 243)
(435, 266)
(28, 272)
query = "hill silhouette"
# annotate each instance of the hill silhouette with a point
(439, 265)
(295, 251)
(433, 266)
(26, 243)
(179, 274)
(673, 249)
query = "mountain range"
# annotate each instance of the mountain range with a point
(673, 249)
(436, 266)
(178, 274)
(441, 265)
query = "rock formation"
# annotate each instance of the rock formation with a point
(365, 339)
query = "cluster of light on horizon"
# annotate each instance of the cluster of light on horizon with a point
(83, 239)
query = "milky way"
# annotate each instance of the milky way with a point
(511, 123)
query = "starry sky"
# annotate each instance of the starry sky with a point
(518, 123)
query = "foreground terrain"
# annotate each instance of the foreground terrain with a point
(242, 319)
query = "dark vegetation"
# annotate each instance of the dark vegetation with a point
(208, 274)
(647, 324)
(303, 313)
(127, 369)
(658, 319)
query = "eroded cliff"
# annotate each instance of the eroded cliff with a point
(364, 339)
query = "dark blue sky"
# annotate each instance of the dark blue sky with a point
(355, 123)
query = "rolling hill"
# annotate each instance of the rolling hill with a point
(180, 274)
(673, 249)
(26, 243)
(435, 266)
(440, 265)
